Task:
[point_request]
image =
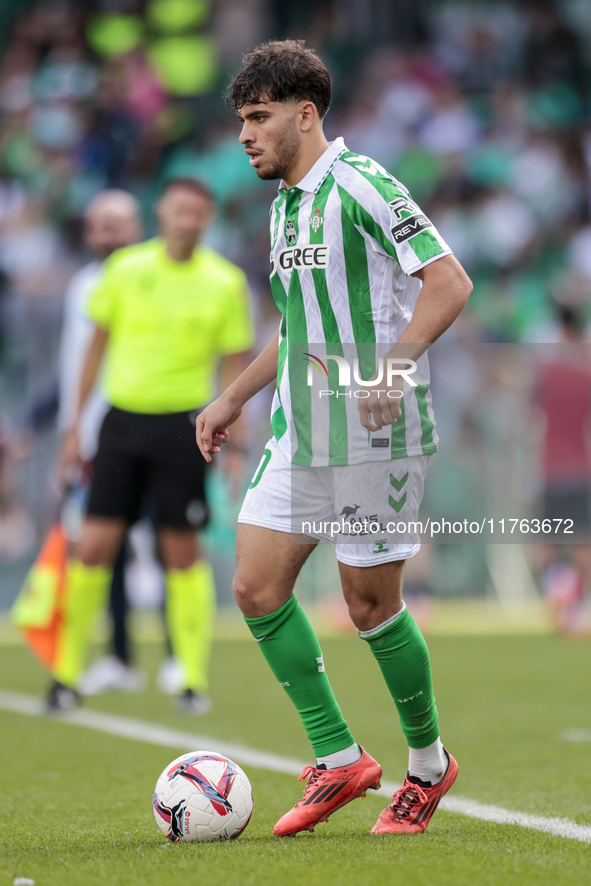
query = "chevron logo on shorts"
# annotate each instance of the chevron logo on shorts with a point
(397, 505)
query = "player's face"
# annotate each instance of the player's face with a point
(270, 137)
(106, 231)
(184, 215)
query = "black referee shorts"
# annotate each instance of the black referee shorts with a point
(151, 458)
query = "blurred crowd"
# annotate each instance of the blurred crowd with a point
(482, 109)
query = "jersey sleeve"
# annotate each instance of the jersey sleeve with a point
(101, 304)
(387, 215)
(236, 333)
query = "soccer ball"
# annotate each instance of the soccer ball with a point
(202, 796)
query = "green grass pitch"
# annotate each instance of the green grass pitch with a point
(76, 803)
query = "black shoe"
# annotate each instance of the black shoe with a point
(193, 702)
(61, 698)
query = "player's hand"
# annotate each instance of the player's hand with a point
(381, 407)
(70, 461)
(213, 423)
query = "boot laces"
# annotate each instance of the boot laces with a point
(311, 774)
(405, 799)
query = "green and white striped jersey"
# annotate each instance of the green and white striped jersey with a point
(344, 243)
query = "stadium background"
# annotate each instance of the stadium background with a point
(482, 110)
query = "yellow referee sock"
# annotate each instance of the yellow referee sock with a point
(87, 592)
(190, 609)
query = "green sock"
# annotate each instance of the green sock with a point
(402, 654)
(87, 592)
(190, 610)
(289, 644)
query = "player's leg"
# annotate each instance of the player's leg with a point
(374, 598)
(190, 611)
(268, 563)
(119, 609)
(115, 671)
(281, 628)
(373, 592)
(88, 581)
(177, 486)
(112, 506)
(284, 633)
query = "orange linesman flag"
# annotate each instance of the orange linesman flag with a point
(39, 608)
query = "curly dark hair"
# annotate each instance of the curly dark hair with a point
(281, 71)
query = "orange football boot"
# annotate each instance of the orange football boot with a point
(413, 805)
(327, 790)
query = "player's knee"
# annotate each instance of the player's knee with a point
(179, 549)
(90, 554)
(180, 560)
(244, 594)
(365, 614)
(100, 542)
(254, 600)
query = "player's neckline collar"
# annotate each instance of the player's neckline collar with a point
(314, 179)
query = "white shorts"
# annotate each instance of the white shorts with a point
(368, 510)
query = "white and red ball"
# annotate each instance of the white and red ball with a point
(202, 796)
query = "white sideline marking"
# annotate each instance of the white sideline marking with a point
(139, 730)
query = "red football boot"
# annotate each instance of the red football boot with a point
(413, 805)
(327, 790)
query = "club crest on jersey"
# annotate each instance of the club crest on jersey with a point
(290, 232)
(316, 220)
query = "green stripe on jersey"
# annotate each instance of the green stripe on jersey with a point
(297, 330)
(361, 217)
(301, 394)
(278, 419)
(427, 441)
(398, 448)
(359, 294)
(337, 431)
(424, 244)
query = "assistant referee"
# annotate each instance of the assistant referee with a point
(167, 311)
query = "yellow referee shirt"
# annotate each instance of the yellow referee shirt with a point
(169, 323)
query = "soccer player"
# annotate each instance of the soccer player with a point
(167, 311)
(112, 220)
(354, 262)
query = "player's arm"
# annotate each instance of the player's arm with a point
(446, 289)
(231, 367)
(90, 369)
(214, 421)
(70, 447)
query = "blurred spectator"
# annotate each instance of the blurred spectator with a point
(563, 397)
(111, 221)
(17, 535)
